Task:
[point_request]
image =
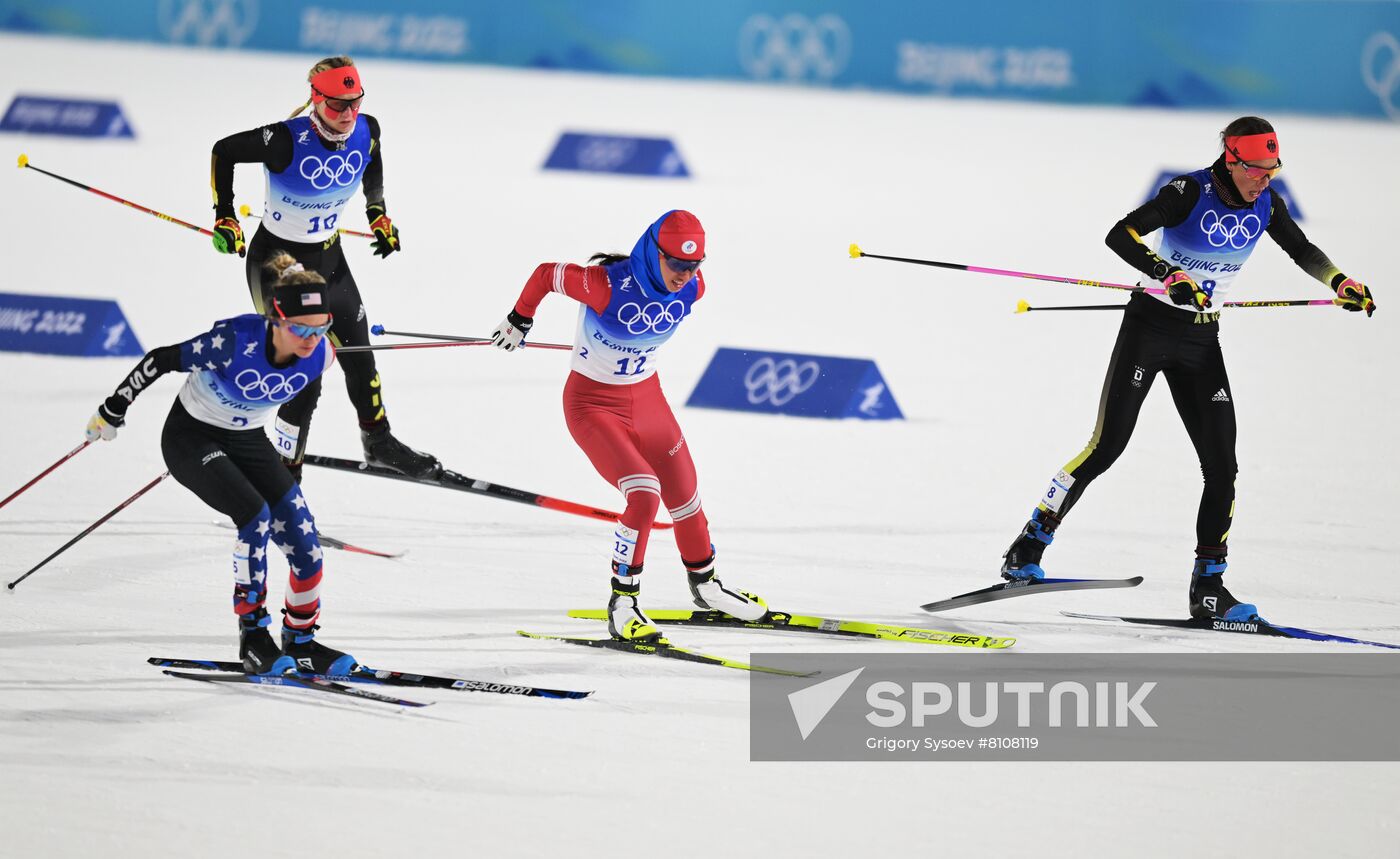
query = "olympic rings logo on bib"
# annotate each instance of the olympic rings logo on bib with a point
(340, 170)
(655, 317)
(273, 387)
(1229, 229)
(778, 382)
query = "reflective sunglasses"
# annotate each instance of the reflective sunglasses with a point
(337, 106)
(681, 266)
(1256, 172)
(305, 332)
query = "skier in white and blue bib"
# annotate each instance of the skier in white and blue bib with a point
(1210, 221)
(313, 165)
(215, 444)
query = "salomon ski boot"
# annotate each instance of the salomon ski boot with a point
(256, 649)
(1209, 597)
(309, 656)
(1022, 559)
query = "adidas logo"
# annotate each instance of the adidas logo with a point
(1220, 397)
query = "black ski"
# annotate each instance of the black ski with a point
(381, 677)
(1024, 587)
(293, 681)
(1258, 626)
(664, 648)
(460, 482)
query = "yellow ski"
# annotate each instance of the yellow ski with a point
(777, 620)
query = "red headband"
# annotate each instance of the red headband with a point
(1252, 147)
(343, 82)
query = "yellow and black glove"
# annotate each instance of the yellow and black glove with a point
(386, 235)
(1353, 295)
(1182, 289)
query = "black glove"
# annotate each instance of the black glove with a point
(386, 235)
(510, 334)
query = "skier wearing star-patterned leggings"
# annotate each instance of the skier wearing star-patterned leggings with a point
(617, 413)
(215, 444)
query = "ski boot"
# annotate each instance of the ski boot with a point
(1209, 598)
(626, 622)
(381, 448)
(709, 592)
(256, 649)
(1022, 560)
(309, 656)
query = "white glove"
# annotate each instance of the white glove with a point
(510, 334)
(99, 428)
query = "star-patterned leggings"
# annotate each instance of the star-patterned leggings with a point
(239, 473)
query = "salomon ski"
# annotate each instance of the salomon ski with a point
(389, 678)
(1257, 626)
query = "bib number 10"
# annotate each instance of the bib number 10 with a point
(317, 226)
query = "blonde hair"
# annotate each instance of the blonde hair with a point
(282, 269)
(327, 63)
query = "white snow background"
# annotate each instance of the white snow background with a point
(100, 754)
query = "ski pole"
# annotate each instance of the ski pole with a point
(1023, 307)
(67, 456)
(379, 329)
(93, 527)
(385, 346)
(245, 210)
(24, 162)
(857, 253)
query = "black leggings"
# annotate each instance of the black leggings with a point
(237, 472)
(348, 328)
(1185, 348)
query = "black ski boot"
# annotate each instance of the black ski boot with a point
(381, 448)
(309, 656)
(1209, 598)
(256, 649)
(1022, 559)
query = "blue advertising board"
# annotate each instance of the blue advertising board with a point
(29, 114)
(611, 153)
(1246, 56)
(814, 386)
(50, 325)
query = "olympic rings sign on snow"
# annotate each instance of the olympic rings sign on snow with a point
(274, 387)
(794, 47)
(656, 317)
(340, 170)
(1382, 81)
(1230, 229)
(777, 382)
(605, 153)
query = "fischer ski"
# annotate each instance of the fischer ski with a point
(666, 649)
(452, 480)
(1023, 587)
(296, 682)
(1257, 626)
(381, 677)
(781, 621)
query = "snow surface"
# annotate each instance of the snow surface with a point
(102, 755)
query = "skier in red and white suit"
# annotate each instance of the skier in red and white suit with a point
(617, 413)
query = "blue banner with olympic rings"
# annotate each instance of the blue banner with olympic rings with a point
(812, 386)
